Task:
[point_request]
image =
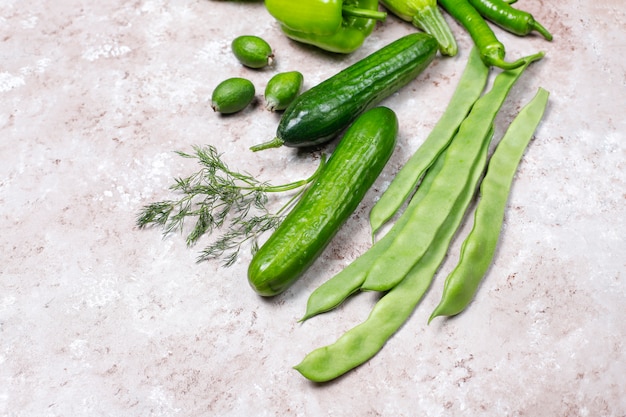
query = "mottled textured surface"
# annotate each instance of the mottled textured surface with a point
(98, 318)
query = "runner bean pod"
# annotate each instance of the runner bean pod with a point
(479, 247)
(467, 91)
(362, 342)
(428, 216)
(334, 291)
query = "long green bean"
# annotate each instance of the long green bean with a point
(334, 291)
(479, 247)
(467, 91)
(362, 342)
(426, 219)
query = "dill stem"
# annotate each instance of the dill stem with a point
(218, 197)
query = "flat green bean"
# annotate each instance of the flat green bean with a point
(470, 86)
(421, 228)
(337, 289)
(361, 343)
(479, 247)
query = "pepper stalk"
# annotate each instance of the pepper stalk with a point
(426, 16)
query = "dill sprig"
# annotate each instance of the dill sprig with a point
(217, 197)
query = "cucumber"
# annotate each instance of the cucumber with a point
(309, 227)
(322, 112)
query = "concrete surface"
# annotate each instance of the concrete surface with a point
(98, 318)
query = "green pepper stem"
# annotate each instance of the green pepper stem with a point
(430, 20)
(274, 143)
(360, 12)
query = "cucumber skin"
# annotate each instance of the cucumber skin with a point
(322, 112)
(309, 227)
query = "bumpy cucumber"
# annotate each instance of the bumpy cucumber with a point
(307, 229)
(322, 112)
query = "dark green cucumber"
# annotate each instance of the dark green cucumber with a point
(322, 112)
(307, 229)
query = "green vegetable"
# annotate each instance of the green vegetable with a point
(428, 216)
(333, 25)
(469, 88)
(216, 197)
(479, 247)
(323, 111)
(362, 342)
(232, 95)
(492, 51)
(252, 51)
(307, 229)
(515, 21)
(282, 89)
(425, 15)
(334, 291)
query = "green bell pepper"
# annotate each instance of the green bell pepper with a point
(333, 25)
(425, 15)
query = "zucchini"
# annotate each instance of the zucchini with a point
(307, 229)
(322, 112)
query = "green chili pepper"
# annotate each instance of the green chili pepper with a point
(492, 51)
(513, 20)
(479, 247)
(334, 25)
(425, 15)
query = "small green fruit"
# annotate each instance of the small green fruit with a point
(252, 51)
(232, 95)
(282, 89)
